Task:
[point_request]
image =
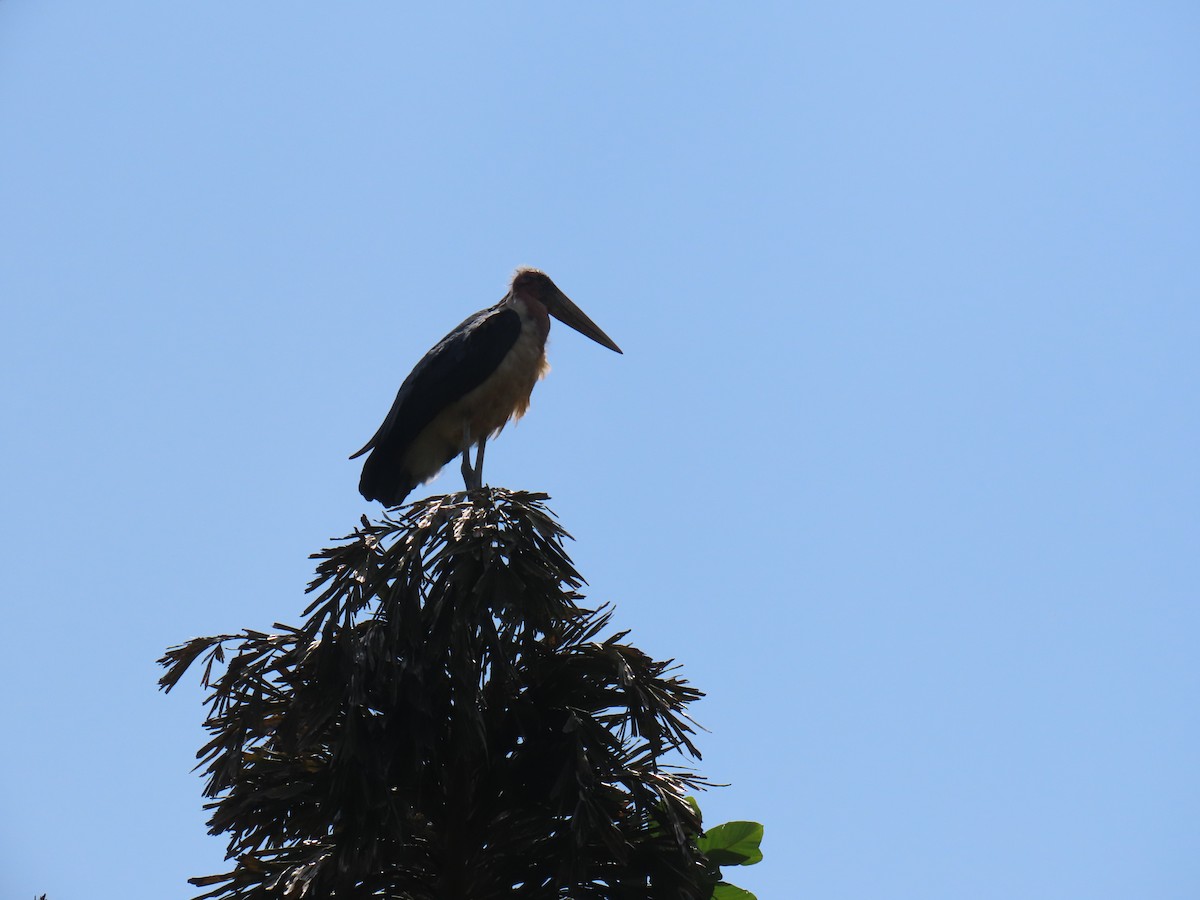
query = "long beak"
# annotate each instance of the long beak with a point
(569, 314)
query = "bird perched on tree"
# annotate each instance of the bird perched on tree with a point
(466, 388)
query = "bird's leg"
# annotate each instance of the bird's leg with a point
(479, 462)
(468, 473)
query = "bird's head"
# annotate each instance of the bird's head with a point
(535, 285)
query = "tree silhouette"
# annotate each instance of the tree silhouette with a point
(448, 722)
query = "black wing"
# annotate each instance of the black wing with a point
(460, 362)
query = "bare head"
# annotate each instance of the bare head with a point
(534, 284)
(530, 282)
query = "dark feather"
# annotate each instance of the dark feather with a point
(460, 362)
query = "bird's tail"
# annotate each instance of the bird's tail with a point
(389, 484)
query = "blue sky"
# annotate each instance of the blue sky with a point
(900, 461)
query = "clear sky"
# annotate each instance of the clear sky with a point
(900, 463)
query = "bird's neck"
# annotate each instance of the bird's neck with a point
(533, 314)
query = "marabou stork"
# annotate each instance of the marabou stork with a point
(465, 389)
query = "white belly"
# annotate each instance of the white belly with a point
(485, 410)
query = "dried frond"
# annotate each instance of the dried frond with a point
(446, 722)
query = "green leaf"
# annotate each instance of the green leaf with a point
(732, 844)
(726, 891)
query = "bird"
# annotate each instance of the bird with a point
(466, 389)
